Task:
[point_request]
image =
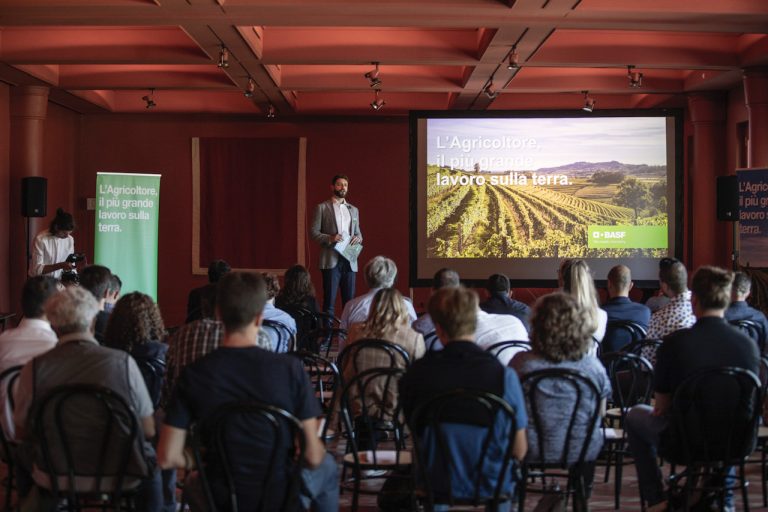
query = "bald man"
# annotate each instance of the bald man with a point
(620, 308)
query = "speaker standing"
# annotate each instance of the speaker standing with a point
(53, 249)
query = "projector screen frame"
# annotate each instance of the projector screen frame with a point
(675, 220)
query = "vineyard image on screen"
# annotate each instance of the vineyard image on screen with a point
(547, 188)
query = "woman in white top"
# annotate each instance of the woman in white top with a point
(52, 247)
(575, 278)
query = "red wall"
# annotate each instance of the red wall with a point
(5, 196)
(374, 153)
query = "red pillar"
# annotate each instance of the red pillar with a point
(712, 239)
(756, 94)
(28, 109)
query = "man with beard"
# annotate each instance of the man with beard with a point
(337, 222)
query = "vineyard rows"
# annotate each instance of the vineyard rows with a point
(518, 222)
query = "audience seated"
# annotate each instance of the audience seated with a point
(575, 278)
(560, 338)
(297, 290)
(380, 272)
(113, 293)
(678, 314)
(32, 337)
(387, 320)
(739, 309)
(273, 313)
(709, 343)
(500, 300)
(206, 293)
(78, 359)
(490, 328)
(462, 364)
(620, 308)
(443, 278)
(97, 279)
(240, 370)
(194, 340)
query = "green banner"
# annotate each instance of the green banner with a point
(627, 237)
(127, 211)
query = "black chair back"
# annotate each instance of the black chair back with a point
(752, 329)
(280, 334)
(306, 323)
(488, 450)
(646, 348)
(253, 457)
(369, 353)
(7, 380)
(631, 379)
(153, 371)
(85, 430)
(620, 333)
(564, 413)
(498, 349)
(431, 340)
(713, 418)
(370, 411)
(325, 378)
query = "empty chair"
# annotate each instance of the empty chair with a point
(646, 348)
(263, 474)
(468, 458)
(326, 380)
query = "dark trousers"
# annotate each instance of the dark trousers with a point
(341, 276)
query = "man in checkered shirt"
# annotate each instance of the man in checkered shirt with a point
(678, 314)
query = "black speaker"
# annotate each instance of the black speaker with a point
(34, 196)
(727, 198)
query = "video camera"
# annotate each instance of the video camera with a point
(75, 257)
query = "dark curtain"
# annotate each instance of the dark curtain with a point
(248, 207)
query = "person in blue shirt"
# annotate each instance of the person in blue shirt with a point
(462, 364)
(620, 308)
(740, 310)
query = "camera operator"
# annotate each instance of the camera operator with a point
(53, 250)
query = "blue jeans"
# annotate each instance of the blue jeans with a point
(320, 486)
(643, 431)
(340, 276)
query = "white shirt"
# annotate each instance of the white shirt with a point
(48, 249)
(17, 347)
(495, 328)
(343, 217)
(357, 309)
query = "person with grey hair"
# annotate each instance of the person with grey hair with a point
(739, 309)
(380, 272)
(79, 359)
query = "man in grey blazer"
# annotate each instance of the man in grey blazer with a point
(336, 220)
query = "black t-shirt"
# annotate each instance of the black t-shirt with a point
(235, 374)
(710, 343)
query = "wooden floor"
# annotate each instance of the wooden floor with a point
(602, 496)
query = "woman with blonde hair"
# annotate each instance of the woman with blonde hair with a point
(575, 278)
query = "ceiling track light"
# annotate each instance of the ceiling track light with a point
(490, 90)
(223, 57)
(373, 76)
(589, 103)
(150, 99)
(378, 103)
(250, 88)
(514, 59)
(635, 77)
(271, 112)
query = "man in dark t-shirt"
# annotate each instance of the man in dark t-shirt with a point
(239, 370)
(621, 309)
(710, 343)
(501, 303)
(740, 310)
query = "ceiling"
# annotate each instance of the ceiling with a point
(309, 57)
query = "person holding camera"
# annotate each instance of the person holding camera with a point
(53, 250)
